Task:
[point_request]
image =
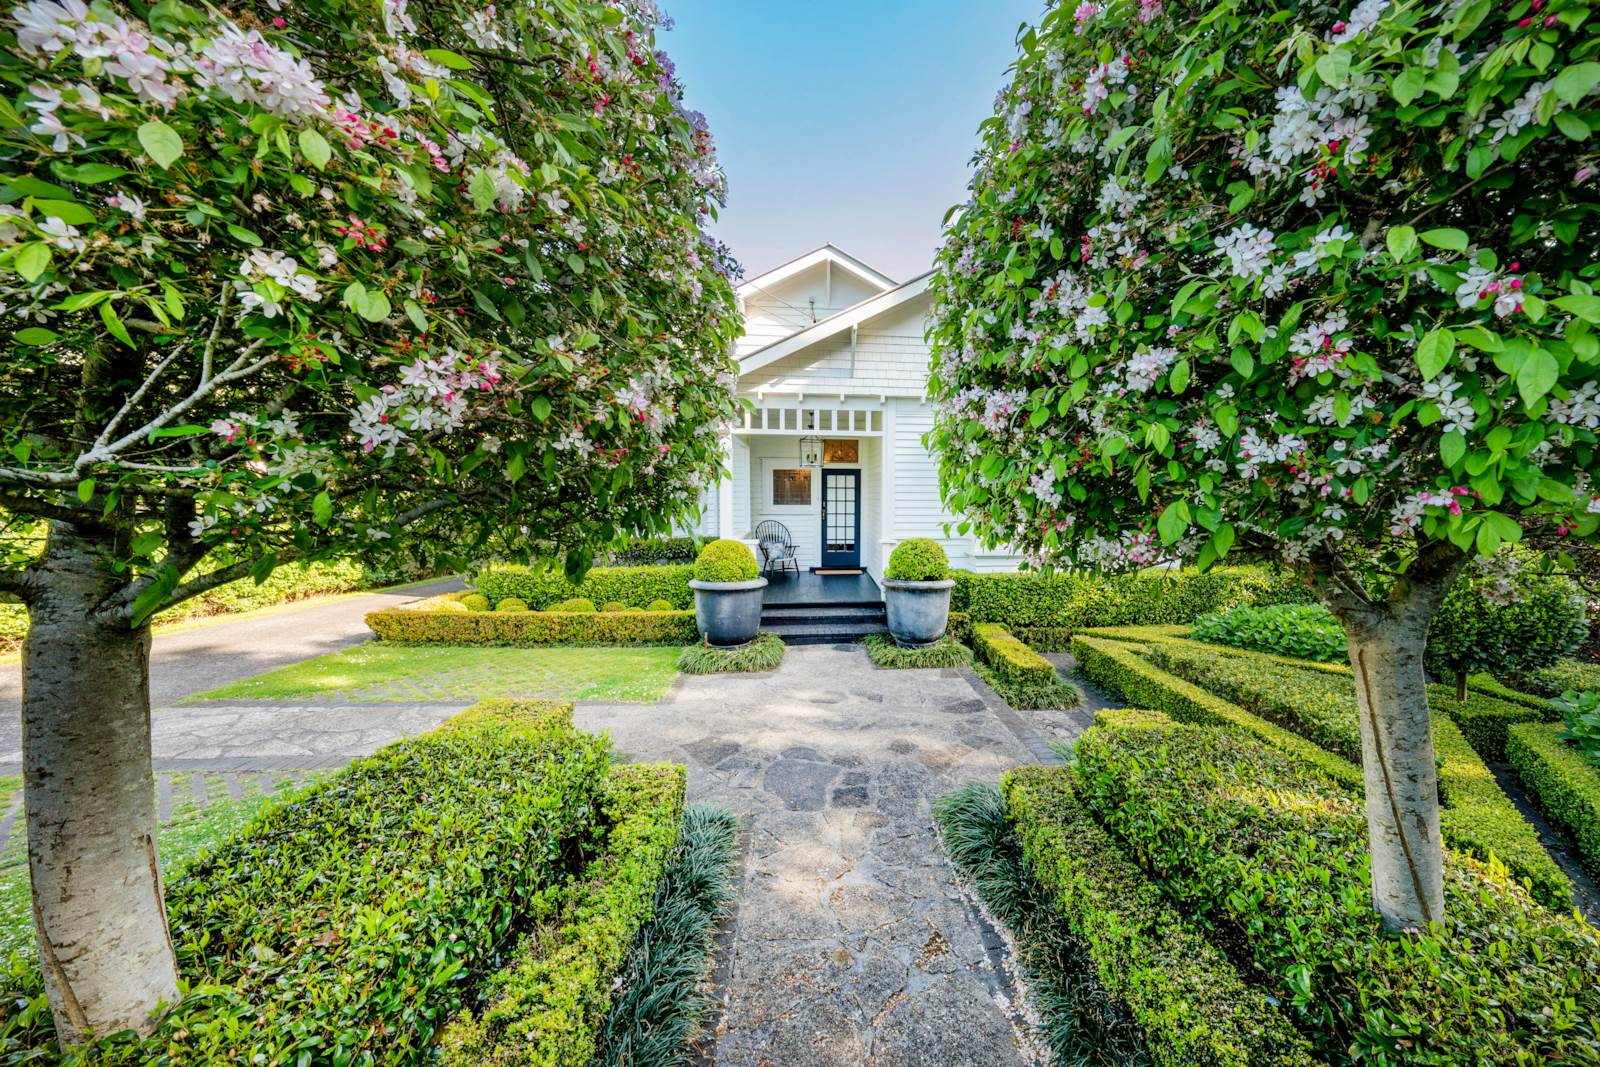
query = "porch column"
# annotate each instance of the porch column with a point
(887, 531)
(725, 491)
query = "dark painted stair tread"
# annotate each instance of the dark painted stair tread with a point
(769, 615)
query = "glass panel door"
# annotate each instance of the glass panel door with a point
(841, 518)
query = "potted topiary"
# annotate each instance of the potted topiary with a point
(728, 591)
(916, 592)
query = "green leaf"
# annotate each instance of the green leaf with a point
(86, 490)
(540, 406)
(161, 142)
(1402, 241)
(1584, 305)
(69, 211)
(1178, 380)
(1572, 124)
(87, 173)
(1574, 83)
(37, 335)
(376, 307)
(482, 190)
(322, 508)
(1408, 84)
(32, 260)
(1174, 520)
(1334, 67)
(1452, 239)
(315, 148)
(1537, 375)
(448, 59)
(113, 323)
(1452, 447)
(1433, 353)
(244, 236)
(415, 314)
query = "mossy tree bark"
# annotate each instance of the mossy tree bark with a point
(1387, 638)
(98, 911)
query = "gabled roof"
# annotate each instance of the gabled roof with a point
(835, 324)
(827, 253)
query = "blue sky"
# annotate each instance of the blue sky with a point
(849, 121)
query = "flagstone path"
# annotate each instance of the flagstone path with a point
(852, 943)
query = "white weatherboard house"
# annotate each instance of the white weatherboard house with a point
(835, 366)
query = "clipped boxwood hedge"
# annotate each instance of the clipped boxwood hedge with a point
(1029, 599)
(546, 1007)
(1183, 993)
(634, 586)
(1564, 785)
(408, 626)
(1008, 657)
(1295, 710)
(1275, 854)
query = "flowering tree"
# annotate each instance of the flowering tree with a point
(287, 281)
(1291, 280)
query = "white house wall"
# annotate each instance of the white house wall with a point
(773, 313)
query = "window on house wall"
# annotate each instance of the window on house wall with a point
(791, 486)
(841, 451)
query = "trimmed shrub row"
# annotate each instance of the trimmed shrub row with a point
(648, 551)
(1186, 997)
(1274, 854)
(634, 586)
(1564, 785)
(1319, 706)
(546, 1007)
(409, 626)
(1559, 677)
(1008, 657)
(1076, 600)
(1308, 631)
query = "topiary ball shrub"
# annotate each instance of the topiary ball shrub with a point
(512, 603)
(660, 605)
(614, 606)
(448, 605)
(475, 602)
(577, 604)
(919, 559)
(1504, 617)
(726, 561)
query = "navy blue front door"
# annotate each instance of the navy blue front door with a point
(841, 518)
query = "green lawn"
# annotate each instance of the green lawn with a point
(407, 673)
(206, 807)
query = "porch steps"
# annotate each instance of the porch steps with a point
(824, 623)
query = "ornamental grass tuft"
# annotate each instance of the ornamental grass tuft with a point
(946, 652)
(762, 654)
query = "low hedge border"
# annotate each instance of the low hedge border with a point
(1010, 658)
(348, 921)
(1564, 785)
(409, 626)
(664, 999)
(1476, 818)
(634, 586)
(1071, 601)
(547, 1006)
(1484, 719)
(1188, 999)
(1054, 695)
(1319, 706)
(1485, 684)
(1118, 666)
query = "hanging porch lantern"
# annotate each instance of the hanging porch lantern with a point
(810, 451)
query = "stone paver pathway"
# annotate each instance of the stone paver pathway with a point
(852, 944)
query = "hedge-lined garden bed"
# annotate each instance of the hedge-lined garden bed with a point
(1310, 715)
(1268, 856)
(1564, 784)
(635, 587)
(1043, 608)
(415, 626)
(355, 920)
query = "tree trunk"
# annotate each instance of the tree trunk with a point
(1461, 686)
(1402, 787)
(98, 910)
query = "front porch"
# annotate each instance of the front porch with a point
(822, 609)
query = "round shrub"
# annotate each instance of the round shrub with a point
(512, 603)
(448, 605)
(660, 605)
(919, 559)
(577, 604)
(1504, 617)
(726, 561)
(614, 606)
(475, 602)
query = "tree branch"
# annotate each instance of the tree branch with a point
(44, 509)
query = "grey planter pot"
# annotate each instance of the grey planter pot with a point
(728, 613)
(918, 611)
